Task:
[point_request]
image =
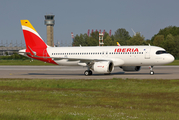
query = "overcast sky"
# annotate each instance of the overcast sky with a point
(77, 16)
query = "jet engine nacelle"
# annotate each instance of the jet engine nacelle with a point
(103, 67)
(130, 68)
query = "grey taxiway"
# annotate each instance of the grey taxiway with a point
(77, 72)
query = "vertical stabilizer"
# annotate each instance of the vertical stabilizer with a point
(32, 38)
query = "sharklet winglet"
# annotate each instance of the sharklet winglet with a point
(31, 51)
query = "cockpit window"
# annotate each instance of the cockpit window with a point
(160, 52)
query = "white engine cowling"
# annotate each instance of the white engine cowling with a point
(103, 67)
(131, 68)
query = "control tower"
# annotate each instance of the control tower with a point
(49, 22)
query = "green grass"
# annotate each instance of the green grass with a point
(89, 99)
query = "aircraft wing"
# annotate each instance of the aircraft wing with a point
(87, 61)
(73, 59)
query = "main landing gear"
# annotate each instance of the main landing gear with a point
(88, 72)
(151, 70)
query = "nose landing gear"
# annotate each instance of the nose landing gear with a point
(151, 70)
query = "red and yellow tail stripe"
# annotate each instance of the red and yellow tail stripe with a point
(26, 25)
(34, 43)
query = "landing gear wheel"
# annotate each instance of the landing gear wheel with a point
(88, 72)
(151, 72)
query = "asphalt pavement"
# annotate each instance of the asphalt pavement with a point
(77, 72)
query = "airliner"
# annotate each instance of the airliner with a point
(100, 59)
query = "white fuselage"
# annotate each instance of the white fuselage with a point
(119, 55)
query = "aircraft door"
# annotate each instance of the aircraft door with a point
(104, 54)
(147, 53)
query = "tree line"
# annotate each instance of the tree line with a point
(121, 35)
(14, 56)
(167, 38)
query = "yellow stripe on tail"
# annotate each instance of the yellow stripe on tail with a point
(27, 24)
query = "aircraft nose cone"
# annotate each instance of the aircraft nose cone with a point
(171, 58)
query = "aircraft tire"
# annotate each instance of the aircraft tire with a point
(151, 72)
(90, 72)
(86, 73)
